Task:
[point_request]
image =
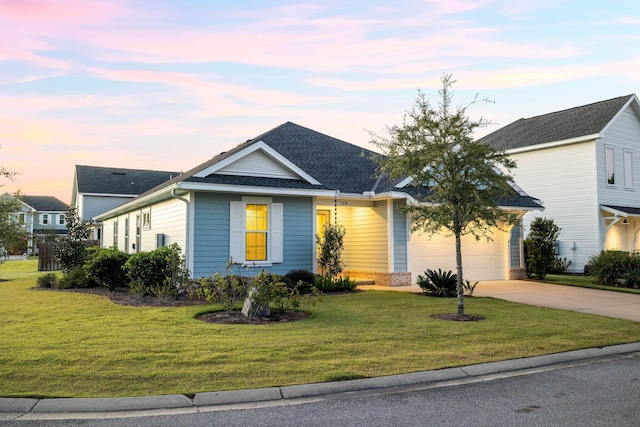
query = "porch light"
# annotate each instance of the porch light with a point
(624, 222)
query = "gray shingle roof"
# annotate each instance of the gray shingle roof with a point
(557, 126)
(45, 203)
(336, 164)
(102, 180)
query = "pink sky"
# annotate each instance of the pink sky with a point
(167, 85)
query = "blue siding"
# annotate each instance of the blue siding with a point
(211, 236)
(298, 234)
(514, 246)
(399, 238)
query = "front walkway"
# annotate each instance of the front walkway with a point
(593, 301)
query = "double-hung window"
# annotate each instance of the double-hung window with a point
(610, 164)
(256, 231)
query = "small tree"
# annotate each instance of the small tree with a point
(331, 243)
(540, 247)
(457, 182)
(70, 251)
(12, 232)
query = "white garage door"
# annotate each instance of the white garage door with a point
(481, 260)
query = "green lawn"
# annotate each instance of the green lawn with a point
(62, 344)
(584, 282)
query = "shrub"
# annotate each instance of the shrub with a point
(227, 290)
(106, 266)
(324, 284)
(609, 266)
(76, 278)
(631, 279)
(540, 247)
(345, 284)
(469, 287)
(559, 265)
(438, 283)
(47, 280)
(149, 272)
(331, 244)
(302, 279)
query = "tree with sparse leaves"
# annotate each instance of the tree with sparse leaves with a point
(71, 250)
(457, 182)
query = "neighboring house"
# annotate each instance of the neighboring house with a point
(584, 164)
(262, 203)
(98, 189)
(42, 215)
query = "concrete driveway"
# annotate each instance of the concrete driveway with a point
(604, 303)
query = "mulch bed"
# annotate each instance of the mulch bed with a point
(237, 318)
(458, 317)
(122, 296)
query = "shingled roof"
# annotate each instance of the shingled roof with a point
(45, 203)
(336, 164)
(557, 126)
(103, 180)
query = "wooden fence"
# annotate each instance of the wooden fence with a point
(47, 257)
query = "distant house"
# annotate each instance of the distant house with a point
(99, 189)
(41, 216)
(262, 203)
(584, 164)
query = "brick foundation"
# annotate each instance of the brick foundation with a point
(381, 279)
(518, 273)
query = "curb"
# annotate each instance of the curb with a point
(72, 408)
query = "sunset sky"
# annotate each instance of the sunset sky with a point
(168, 84)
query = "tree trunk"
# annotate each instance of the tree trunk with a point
(460, 288)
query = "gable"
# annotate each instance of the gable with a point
(258, 163)
(257, 160)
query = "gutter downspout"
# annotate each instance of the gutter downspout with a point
(187, 243)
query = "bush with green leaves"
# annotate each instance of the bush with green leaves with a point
(540, 247)
(269, 290)
(331, 244)
(228, 290)
(324, 284)
(106, 266)
(302, 279)
(76, 278)
(438, 283)
(160, 272)
(345, 284)
(614, 268)
(47, 280)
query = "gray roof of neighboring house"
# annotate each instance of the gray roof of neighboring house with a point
(102, 180)
(336, 164)
(45, 203)
(557, 126)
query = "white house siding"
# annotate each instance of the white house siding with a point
(366, 246)
(168, 218)
(481, 260)
(623, 134)
(563, 179)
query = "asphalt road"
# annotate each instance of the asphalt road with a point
(605, 393)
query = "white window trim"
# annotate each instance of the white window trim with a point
(146, 225)
(628, 169)
(61, 219)
(237, 231)
(610, 149)
(44, 217)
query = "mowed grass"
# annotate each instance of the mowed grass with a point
(584, 282)
(68, 344)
